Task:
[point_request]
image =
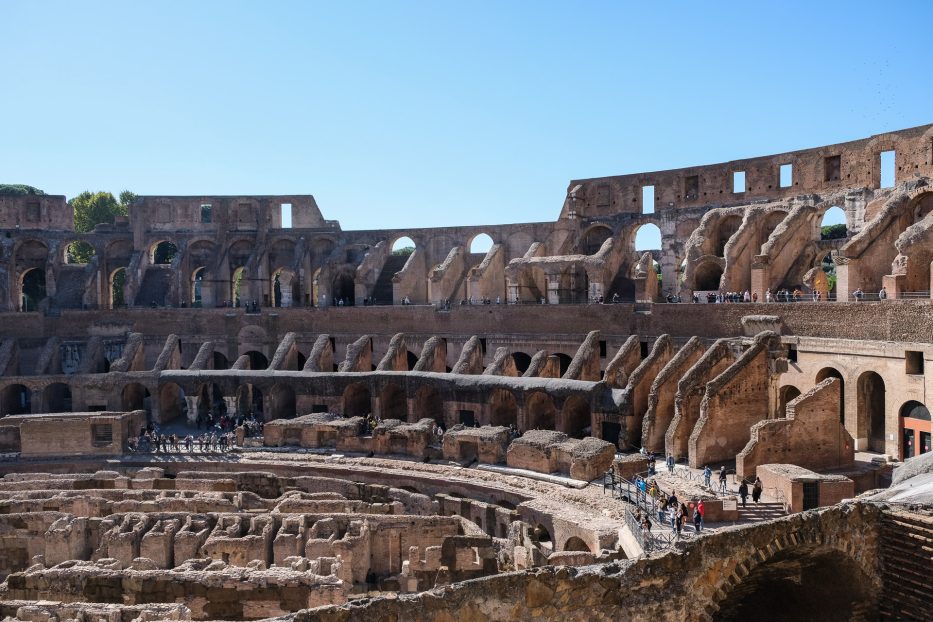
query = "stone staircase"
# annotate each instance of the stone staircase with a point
(71, 282)
(907, 556)
(382, 291)
(761, 511)
(155, 286)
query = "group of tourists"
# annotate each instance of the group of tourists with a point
(156, 442)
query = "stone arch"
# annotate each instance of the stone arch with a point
(725, 229)
(219, 361)
(787, 394)
(403, 245)
(15, 399)
(575, 543)
(522, 360)
(564, 361)
(343, 287)
(825, 581)
(503, 408)
(915, 429)
(117, 288)
(393, 402)
(283, 288)
(540, 412)
(357, 400)
(480, 243)
(832, 372)
(647, 237)
(249, 401)
(257, 360)
(197, 286)
(57, 398)
(575, 417)
(832, 215)
(282, 404)
(210, 400)
(411, 359)
(236, 285)
(708, 276)
(593, 238)
(162, 252)
(77, 252)
(171, 402)
(771, 222)
(429, 405)
(32, 287)
(871, 409)
(134, 396)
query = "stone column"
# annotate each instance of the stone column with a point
(761, 276)
(231, 403)
(513, 291)
(847, 277)
(553, 284)
(192, 409)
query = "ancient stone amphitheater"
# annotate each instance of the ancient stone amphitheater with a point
(439, 422)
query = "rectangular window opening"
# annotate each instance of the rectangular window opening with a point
(787, 175)
(888, 161)
(286, 215)
(602, 348)
(738, 182)
(914, 363)
(832, 168)
(647, 199)
(206, 209)
(692, 187)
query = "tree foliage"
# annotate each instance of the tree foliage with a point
(833, 232)
(18, 190)
(404, 251)
(95, 208)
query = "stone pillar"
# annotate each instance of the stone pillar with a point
(894, 285)
(192, 408)
(761, 276)
(231, 403)
(513, 291)
(553, 285)
(847, 277)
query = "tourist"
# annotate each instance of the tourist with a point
(743, 491)
(858, 295)
(746, 297)
(755, 297)
(882, 293)
(672, 517)
(670, 463)
(722, 479)
(707, 475)
(757, 488)
(684, 514)
(698, 515)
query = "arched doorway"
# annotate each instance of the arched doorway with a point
(58, 398)
(394, 402)
(788, 394)
(480, 244)
(343, 289)
(357, 400)
(522, 361)
(871, 409)
(33, 288)
(540, 412)
(236, 284)
(575, 543)
(503, 408)
(163, 253)
(197, 284)
(829, 372)
(134, 397)
(257, 360)
(707, 277)
(220, 361)
(429, 405)
(576, 421)
(593, 239)
(564, 361)
(915, 429)
(15, 399)
(282, 398)
(648, 238)
(117, 285)
(249, 402)
(833, 224)
(171, 402)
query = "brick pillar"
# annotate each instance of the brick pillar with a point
(761, 276)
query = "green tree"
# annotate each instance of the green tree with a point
(833, 232)
(18, 190)
(404, 251)
(95, 208)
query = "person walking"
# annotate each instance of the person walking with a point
(757, 488)
(722, 479)
(743, 491)
(698, 516)
(670, 463)
(707, 475)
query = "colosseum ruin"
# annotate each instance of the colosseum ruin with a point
(229, 408)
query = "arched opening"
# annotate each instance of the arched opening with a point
(210, 401)
(541, 533)
(394, 403)
(829, 372)
(429, 405)
(219, 361)
(283, 282)
(282, 402)
(824, 583)
(593, 239)
(357, 400)
(540, 412)
(828, 266)
(79, 252)
(16, 399)
(788, 394)
(503, 408)
(727, 228)
(575, 543)
(575, 417)
(249, 402)
(833, 224)
(343, 289)
(257, 360)
(708, 275)
(871, 409)
(197, 283)
(480, 244)
(33, 289)
(403, 247)
(411, 359)
(135, 397)
(648, 238)
(117, 285)
(915, 429)
(236, 282)
(522, 361)
(771, 222)
(564, 361)
(171, 402)
(163, 253)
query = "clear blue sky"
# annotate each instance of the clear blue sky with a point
(399, 114)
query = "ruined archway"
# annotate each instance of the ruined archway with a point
(134, 397)
(575, 418)
(236, 286)
(593, 239)
(357, 400)
(197, 286)
(394, 402)
(16, 399)
(163, 253)
(788, 393)
(249, 402)
(343, 289)
(871, 410)
(574, 543)
(219, 361)
(503, 408)
(522, 361)
(33, 289)
(429, 405)
(171, 402)
(57, 398)
(78, 252)
(915, 429)
(282, 403)
(647, 238)
(816, 582)
(708, 276)
(540, 412)
(257, 360)
(830, 372)
(117, 291)
(564, 361)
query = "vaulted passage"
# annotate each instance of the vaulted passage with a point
(802, 584)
